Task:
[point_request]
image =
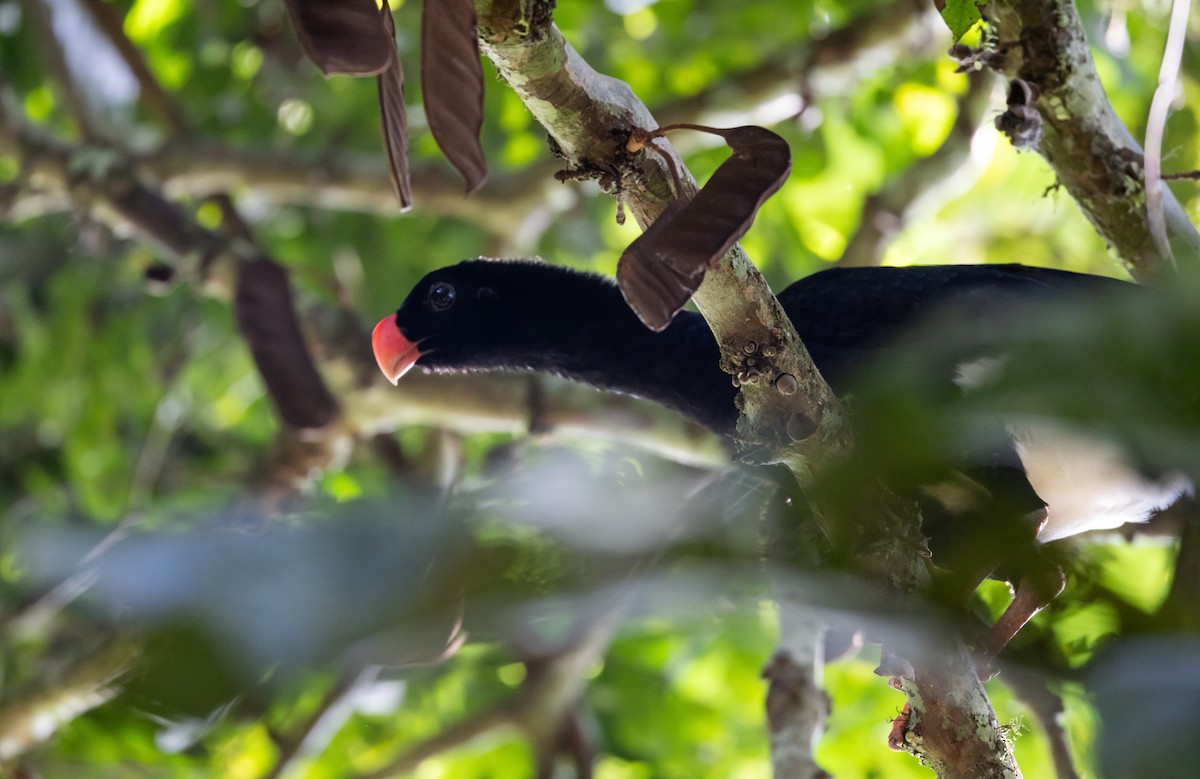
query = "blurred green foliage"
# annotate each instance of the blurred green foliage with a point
(118, 405)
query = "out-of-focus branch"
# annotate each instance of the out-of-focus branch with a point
(1182, 606)
(1032, 689)
(293, 745)
(1156, 124)
(52, 50)
(1092, 153)
(888, 210)
(502, 404)
(542, 707)
(349, 182)
(829, 64)
(796, 710)
(339, 181)
(154, 97)
(32, 717)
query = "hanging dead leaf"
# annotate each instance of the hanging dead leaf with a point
(653, 285)
(393, 117)
(665, 265)
(343, 37)
(267, 318)
(452, 84)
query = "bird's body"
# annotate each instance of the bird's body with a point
(515, 315)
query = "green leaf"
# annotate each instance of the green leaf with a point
(959, 16)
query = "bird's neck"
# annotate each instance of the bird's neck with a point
(602, 343)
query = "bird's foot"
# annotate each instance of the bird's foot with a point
(897, 738)
(897, 669)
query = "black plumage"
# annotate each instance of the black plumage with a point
(518, 315)
(1046, 482)
(485, 315)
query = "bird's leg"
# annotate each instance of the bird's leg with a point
(1035, 589)
(896, 739)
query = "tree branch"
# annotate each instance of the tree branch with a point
(949, 727)
(32, 717)
(1032, 689)
(1094, 156)
(52, 51)
(796, 710)
(827, 65)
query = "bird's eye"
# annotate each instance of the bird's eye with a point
(442, 296)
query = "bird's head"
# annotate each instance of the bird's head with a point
(478, 315)
(442, 318)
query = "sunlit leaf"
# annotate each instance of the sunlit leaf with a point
(959, 15)
(147, 18)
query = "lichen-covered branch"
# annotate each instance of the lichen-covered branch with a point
(957, 740)
(1043, 44)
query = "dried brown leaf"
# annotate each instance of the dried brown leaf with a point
(344, 36)
(452, 83)
(653, 285)
(267, 318)
(394, 119)
(665, 265)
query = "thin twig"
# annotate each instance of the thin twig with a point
(1156, 124)
(541, 706)
(294, 745)
(1033, 690)
(1077, 115)
(457, 734)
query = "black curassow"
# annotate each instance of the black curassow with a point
(485, 315)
